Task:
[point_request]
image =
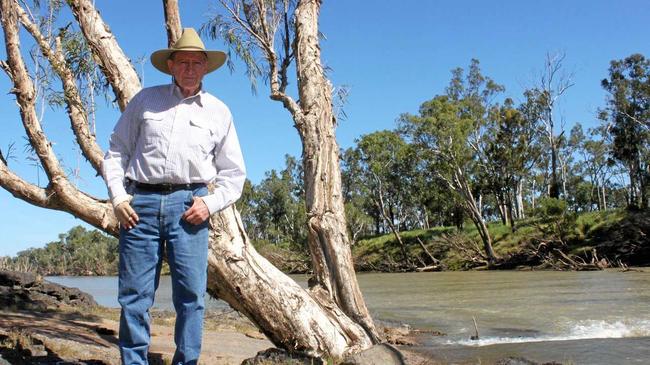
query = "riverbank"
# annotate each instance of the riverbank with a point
(615, 238)
(588, 241)
(43, 322)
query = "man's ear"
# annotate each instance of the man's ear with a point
(169, 64)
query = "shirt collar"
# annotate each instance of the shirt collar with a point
(176, 91)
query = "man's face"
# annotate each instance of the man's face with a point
(188, 68)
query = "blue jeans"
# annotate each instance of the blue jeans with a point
(141, 252)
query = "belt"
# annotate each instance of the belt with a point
(168, 188)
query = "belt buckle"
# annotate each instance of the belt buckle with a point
(167, 188)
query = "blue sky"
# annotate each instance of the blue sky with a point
(392, 56)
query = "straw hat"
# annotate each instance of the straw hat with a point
(189, 41)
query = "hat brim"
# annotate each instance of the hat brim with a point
(159, 59)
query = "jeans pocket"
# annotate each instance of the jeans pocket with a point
(189, 200)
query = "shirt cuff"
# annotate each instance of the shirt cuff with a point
(213, 202)
(121, 199)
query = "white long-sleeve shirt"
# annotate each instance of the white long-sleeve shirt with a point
(163, 137)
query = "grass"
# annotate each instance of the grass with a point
(582, 233)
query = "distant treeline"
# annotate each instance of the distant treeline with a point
(77, 252)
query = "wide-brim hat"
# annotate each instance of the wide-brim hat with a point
(189, 41)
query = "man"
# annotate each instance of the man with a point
(170, 141)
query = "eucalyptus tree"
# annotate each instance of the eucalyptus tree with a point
(328, 319)
(269, 35)
(511, 152)
(387, 165)
(628, 119)
(361, 214)
(279, 206)
(552, 84)
(596, 164)
(448, 135)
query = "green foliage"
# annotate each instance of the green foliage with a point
(557, 223)
(628, 114)
(274, 210)
(77, 252)
(551, 208)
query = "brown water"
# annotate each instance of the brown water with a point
(569, 317)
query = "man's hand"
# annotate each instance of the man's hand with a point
(197, 213)
(126, 215)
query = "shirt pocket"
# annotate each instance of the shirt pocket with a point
(153, 129)
(201, 137)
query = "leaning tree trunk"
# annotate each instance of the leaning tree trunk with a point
(329, 244)
(469, 203)
(328, 320)
(292, 318)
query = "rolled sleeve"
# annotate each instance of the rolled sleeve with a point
(118, 155)
(231, 172)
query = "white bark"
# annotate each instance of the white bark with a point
(60, 193)
(78, 117)
(291, 317)
(109, 56)
(520, 200)
(329, 244)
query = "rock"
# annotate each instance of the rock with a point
(515, 361)
(521, 361)
(30, 292)
(383, 353)
(281, 357)
(36, 351)
(17, 278)
(256, 334)
(399, 336)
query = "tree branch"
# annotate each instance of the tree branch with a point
(76, 112)
(25, 93)
(65, 196)
(109, 56)
(23, 190)
(245, 26)
(172, 21)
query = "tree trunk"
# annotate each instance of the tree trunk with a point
(461, 186)
(532, 196)
(172, 21)
(329, 244)
(520, 199)
(554, 188)
(106, 52)
(501, 207)
(388, 218)
(289, 316)
(509, 205)
(483, 231)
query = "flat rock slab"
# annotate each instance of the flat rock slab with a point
(73, 337)
(29, 291)
(384, 354)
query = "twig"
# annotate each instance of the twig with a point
(476, 336)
